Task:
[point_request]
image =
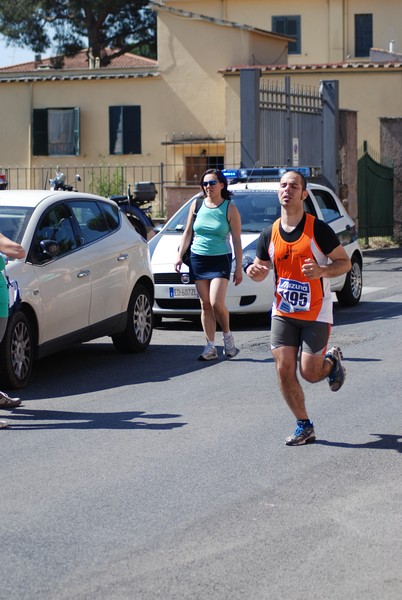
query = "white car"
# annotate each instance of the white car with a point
(258, 204)
(86, 274)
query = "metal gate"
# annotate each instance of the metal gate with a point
(284, 126)
(291, 125)
(375, 193)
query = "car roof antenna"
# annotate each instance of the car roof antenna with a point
(256, 165)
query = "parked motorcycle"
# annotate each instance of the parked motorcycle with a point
(59, 182)
(3, 181)
(133, 206)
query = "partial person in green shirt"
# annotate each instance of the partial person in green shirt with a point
(8, 249)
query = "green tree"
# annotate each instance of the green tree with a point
(108, 28)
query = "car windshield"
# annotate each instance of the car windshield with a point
(13, 221)
(257, 210)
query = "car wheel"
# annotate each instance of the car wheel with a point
(16, 352)
(137, 335)
(351, 292)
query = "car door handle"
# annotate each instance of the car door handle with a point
(82, 274)
(122, 257)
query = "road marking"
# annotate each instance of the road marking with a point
(370, 290)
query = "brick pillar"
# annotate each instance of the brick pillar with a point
(348, 161)
(391, 147)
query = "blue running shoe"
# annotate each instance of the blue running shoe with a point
(337, 376)
(304, 434)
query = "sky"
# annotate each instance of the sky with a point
(11, 55)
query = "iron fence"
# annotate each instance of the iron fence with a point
(186, 158)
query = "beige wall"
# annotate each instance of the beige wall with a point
(15, 103)
(387, 19)
(190, 54)
(192, 98)
(327, 27)
(93, 98)
(187, 99)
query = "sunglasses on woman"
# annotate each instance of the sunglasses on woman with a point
(210, 182)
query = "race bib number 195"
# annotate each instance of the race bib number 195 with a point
(295, 295)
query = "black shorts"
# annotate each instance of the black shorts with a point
(311, 336)
(210, 267)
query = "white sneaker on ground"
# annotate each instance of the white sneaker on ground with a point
(8, 403)
(229, 349)
(4, 423)
(210, 353)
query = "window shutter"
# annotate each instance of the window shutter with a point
(363, 34)
(279, 25)
(39, 132)
(114, 118)
(131, 129)
(76, 131)
(293, 30)
(290, 26)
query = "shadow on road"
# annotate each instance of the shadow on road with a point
(98, 366)
(366, 312)
(386, 442)
(95, 366)
(88, 420)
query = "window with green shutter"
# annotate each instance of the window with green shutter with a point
(290, 26)
(56, 131)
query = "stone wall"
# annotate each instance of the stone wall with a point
(347, 175)
(391, 146)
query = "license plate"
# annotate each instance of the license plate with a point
(183, 292)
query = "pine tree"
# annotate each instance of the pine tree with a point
(67, 26)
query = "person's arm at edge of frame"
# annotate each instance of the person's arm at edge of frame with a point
(11, 249)
(235, 230)
(185, 238)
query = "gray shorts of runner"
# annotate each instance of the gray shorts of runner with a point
(310, 336)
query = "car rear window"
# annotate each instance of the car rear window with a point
(91, 220)
(327, 204)
(13, 221)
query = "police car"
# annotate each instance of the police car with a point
(255, 193)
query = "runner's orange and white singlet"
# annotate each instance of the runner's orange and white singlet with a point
(295, 295)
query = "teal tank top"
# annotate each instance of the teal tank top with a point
(212, 231)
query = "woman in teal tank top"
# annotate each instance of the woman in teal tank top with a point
(217, 221)
(8, 249)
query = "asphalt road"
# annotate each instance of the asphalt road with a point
(156, 476)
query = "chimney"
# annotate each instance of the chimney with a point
(392, 46)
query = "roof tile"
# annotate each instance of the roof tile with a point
(80, 61)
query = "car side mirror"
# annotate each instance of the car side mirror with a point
(49, 248)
